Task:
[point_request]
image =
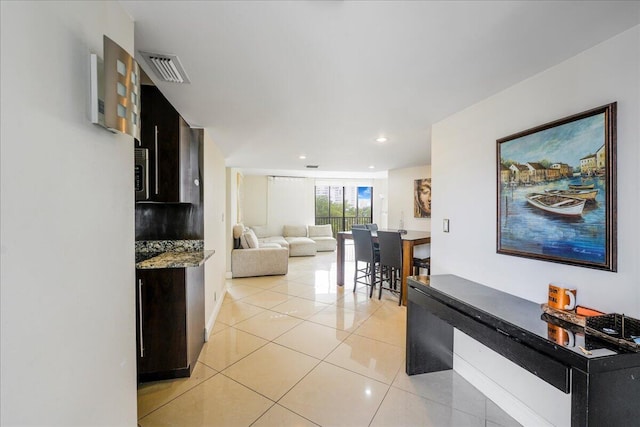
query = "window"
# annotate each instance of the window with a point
(343, 206)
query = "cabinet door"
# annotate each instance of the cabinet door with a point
(162, 324)
(148, 127)
(196, 157)
(161, 133)
(195, 312)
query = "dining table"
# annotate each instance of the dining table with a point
(410, 239)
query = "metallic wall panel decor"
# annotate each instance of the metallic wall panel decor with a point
(115, 90)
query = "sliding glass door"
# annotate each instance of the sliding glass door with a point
(343, 206)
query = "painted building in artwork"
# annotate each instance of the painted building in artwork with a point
(553, 174)
(601, 160)
(564, 170)
(537, 172)
(588, 164)
(505, 174)
(519, 173)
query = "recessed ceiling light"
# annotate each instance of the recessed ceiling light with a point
(381, 139)
(302, 157)
(372, 167)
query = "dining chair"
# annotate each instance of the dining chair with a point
(364, 253)
(419, 263)
(391, 262)
(360, 226)
(374, 228)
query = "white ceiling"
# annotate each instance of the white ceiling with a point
(272, 80)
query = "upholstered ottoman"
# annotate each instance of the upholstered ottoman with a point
(323, 236)
(299, 243)
(301, 246)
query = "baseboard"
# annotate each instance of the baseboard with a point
(228, 275)
(509, 403)
(501, 397)
(214, 315)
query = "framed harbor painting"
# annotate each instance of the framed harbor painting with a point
(557, 191)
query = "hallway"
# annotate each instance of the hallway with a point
(296, 350)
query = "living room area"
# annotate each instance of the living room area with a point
(267, 203)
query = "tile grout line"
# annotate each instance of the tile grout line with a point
(183, 393)
(324, 359)
(297, 351)
(293, 386)
(303, 320)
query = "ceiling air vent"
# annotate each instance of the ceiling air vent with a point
(312, 166)
(167, 67)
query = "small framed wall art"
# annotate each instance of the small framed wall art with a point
(422, 198)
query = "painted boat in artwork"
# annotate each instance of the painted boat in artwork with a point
(561, 205)
(582, 187)
(578, 194)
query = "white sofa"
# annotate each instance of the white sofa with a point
(267, 234)
(293, 237)
(249, 258)
(299, 239)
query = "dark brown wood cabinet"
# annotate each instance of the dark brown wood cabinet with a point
(170, 321)
(167, 137)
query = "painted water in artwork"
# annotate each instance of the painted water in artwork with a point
(553, 193)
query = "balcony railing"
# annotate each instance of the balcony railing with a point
(341, 223)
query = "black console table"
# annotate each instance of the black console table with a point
(604, 386)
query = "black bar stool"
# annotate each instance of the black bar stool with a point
(391, 262)
(364, 252)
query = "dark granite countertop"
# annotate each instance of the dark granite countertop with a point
(171, 254)
(175, 260)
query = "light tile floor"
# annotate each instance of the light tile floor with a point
(297, 350)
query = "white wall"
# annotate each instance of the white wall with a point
(68, 354)
(464, 175)
(231, 211)
(400, 197)
(215, 229)
(254, 200)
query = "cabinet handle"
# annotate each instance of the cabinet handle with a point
(157, 155)
(140, 315)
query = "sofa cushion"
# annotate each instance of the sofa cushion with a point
(238, 229)
(269, 245)
(294, 231)
(320, 231)
(263, 231)
(275, 239)
(248, 240)
(325, 244)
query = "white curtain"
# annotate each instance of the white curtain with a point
(290, 201)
